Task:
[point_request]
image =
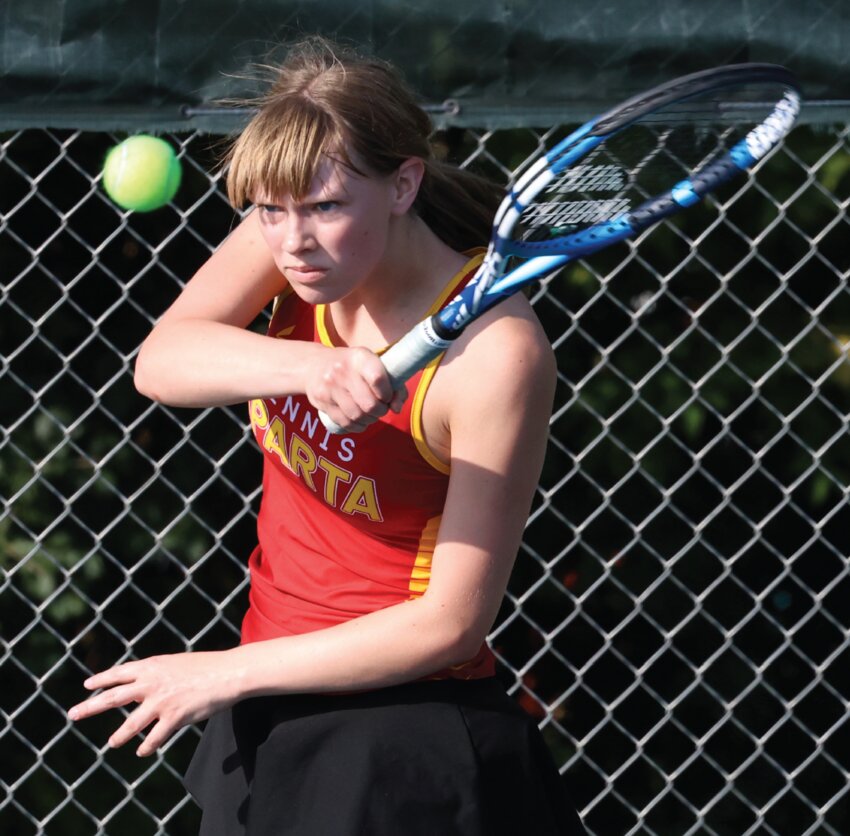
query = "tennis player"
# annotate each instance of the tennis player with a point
(362, 698)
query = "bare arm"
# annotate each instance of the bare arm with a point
(200, 353)
(498, 438)
(499, 431)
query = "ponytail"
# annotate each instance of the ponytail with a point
(457, 205)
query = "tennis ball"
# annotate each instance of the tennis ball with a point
(141, 173)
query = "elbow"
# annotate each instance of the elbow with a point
(145, 378)
(462, 644)
(453, 631)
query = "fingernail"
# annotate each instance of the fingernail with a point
(73, 714)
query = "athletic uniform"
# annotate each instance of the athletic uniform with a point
(347, 525)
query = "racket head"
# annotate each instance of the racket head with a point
(640, 162)
(646, 159)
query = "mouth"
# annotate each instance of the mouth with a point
(305, 273)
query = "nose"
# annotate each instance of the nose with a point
(297, 234)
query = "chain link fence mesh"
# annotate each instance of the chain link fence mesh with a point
(677, 620)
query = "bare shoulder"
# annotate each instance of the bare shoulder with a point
(506, 350)
(500, 372)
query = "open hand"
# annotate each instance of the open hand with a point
(170, 692)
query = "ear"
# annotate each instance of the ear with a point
(406, 182)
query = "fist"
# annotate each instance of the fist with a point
(352, 388)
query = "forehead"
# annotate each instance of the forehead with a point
(332, 177)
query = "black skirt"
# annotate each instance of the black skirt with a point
(448, 758)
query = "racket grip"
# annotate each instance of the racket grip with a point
(418, 347)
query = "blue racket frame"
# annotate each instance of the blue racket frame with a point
(547, 256)
(491, 284)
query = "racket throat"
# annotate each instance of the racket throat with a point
(443, 334)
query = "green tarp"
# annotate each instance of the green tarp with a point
(161, 63)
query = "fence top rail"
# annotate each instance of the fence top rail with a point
(462, 113)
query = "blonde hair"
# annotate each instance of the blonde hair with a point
(326, 101)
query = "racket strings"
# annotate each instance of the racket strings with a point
(627, 169)
(680, 152)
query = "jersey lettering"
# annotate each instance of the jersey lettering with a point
(274, 439)
(298, 456)
(302, 460)
(290, 408)
(310, 423)
(363, 499)
(259, 413)
(335, 475)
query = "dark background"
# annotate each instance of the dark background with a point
(685, 568)
(129, 65)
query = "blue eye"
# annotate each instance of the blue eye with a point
(271, 214)
(326, 206)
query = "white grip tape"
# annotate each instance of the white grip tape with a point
(412, 352)
(330, 425)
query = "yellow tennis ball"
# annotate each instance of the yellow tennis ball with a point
(141, 173)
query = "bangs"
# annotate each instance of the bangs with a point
(280, 151)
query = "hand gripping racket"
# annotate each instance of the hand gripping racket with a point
(615, 176)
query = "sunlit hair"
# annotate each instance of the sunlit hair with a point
(326, 102)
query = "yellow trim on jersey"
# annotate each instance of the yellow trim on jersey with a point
(450, 290)
(322, 326)
(476, 257)
(287, 291)
(417, 431)
(420, 575)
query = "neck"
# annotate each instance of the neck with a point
(415, 270)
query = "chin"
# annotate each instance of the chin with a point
(316, 294)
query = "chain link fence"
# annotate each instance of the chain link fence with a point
(677, 620)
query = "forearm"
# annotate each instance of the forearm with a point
(194, 362)
(401, 643)
(398, 644)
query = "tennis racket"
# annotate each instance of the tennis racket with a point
(614, 177)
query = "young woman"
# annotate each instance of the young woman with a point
(362, 698)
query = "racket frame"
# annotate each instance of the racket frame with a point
(490, 285)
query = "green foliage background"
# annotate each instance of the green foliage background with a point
(692, 509)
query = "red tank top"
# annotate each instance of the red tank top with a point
(347, 524)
